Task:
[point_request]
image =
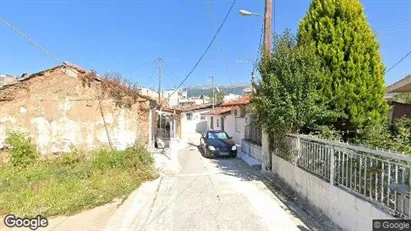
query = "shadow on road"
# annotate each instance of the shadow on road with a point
(297, 207)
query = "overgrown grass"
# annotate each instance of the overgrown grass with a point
(72, 182)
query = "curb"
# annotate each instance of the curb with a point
(249, 160)
(129, 215)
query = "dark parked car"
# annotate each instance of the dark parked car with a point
(218, 143)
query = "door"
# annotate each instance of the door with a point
(222, 123)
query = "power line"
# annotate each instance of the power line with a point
(172, 72)
(220, 48)
(152, 74)
(145, 63)
(398, 62)
(259, 48)
(206, 50)
(30, 40)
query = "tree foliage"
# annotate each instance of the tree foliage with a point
(219, 96)
(353, 72)
(403, 97)
(286, 98)
(395, 136)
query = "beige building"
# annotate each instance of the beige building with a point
(66, 106)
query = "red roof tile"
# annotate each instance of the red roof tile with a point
(243, 100)
(220, 111)
(194, 107)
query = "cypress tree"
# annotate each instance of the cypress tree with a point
(353, 72)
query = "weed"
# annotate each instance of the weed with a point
(22, 151)
(70, 183)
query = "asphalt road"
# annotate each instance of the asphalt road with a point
(218, 194)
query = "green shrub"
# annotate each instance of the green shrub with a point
(72, 182)
(327, 133)
(130, 158)
(22, 151)
(392, 136)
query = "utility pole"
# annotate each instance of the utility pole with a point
(159, 92)
(159, 79)
(212, 87)
(267, 51)
(267, 26)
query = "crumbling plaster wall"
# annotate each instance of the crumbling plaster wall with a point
(58, 111)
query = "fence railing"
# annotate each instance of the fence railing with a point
(381, 177)
(253, 133)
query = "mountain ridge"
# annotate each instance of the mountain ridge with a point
(198, 90)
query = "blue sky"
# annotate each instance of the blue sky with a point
(126, 36)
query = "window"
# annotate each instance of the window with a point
(212, 123)
(237, 125)
(217, 122)
(202, 117)
(235, 112)
(189, 116)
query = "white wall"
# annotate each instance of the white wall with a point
(230, 97)
(344, 209)
(229, 124)
(194, 127)
(238, 135)
(215, 117)
(251, 149)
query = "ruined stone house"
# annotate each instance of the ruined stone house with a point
(67, 106)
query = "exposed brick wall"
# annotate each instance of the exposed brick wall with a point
(59, 111)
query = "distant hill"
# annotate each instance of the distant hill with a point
(206, 89)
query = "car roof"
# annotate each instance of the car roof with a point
(215, 131)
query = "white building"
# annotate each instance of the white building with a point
(194, 122)
(231, 117)
(148, 92)
(231, 97)
(174, 99)
(247, 90)
(195, 100)
(7, 79)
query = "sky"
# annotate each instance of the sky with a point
(128, 36)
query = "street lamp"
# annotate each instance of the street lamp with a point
(248, 13)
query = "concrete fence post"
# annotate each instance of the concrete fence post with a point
(332, 164)
(298, 148)
(265, 151)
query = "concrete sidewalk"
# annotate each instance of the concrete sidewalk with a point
(94, 219)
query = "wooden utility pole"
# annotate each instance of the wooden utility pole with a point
(267, 51)
(159, 79)
(267, 26)
(212, 87)
(159, 92)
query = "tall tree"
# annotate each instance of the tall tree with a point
(286, 98)
(219, 96)
(353, 76)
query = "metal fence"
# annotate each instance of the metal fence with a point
(381, 177)
(253, 133)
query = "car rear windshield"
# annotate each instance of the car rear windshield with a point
(217, 135)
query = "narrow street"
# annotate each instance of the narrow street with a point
(218, 194)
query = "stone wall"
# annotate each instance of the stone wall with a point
(58, 111)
